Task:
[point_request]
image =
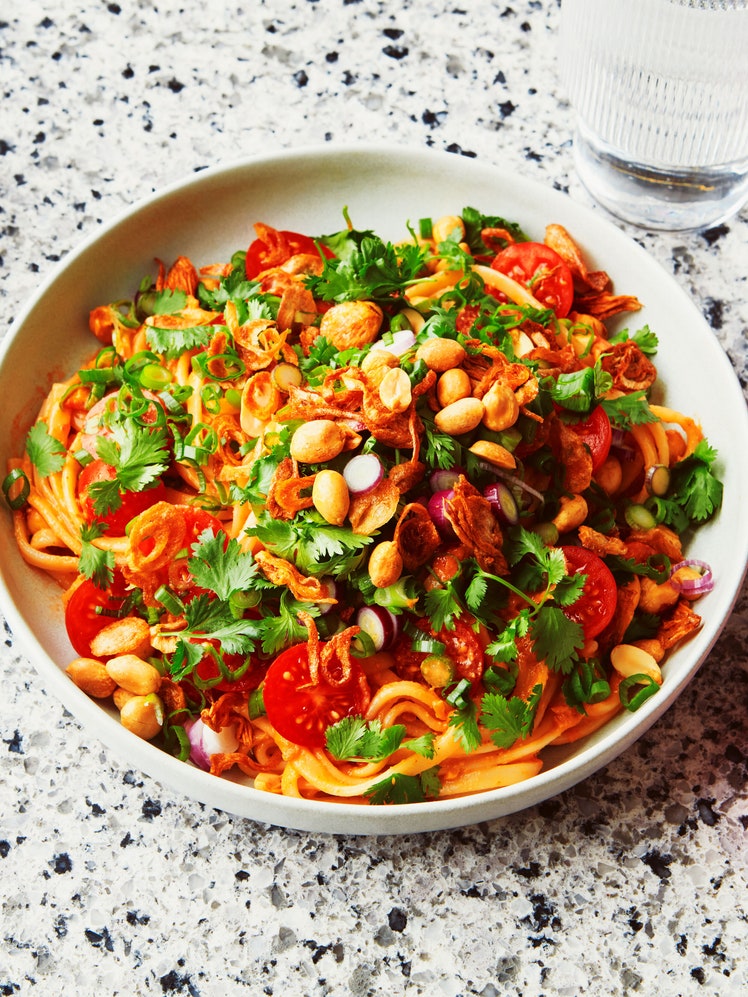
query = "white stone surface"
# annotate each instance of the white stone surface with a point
(634, 882)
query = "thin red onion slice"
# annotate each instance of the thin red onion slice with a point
(205, 742)
(362, 473)
(692, 587)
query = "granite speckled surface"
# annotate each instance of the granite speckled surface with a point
(634, 882)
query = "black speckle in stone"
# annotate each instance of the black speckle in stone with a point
(128, 72)
(242, 875)
(100, 938)
(714, 312)
(635, 922)
(533, 156)
(530, 872)
(699, 975)
(396, 51)
(15, 743)
(506, 108)
(62, 863)
(301, 78)
(681, 946)
(151, 809)
(133, 917)
(172, 982)
(4, 849)
(714, 234)
(61, 926)
(397, 919)
(114, 8)
(525, 26)
(6, 147)
(658, 863)
(734, 754)
(433, 118)
(499, 77)
(96, 810)
(174, 85)
(20, 179)
(332, 57)
(393, 33)
(8, 989)
(127, 840)
(348, 78)
(543, 913)
(46, 22)
(459, 151)
(706, 813)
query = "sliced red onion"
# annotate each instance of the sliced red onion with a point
(658, 479)
(502, 502)
(382, 626)
(205, 742)
(513, 480)
(334, 590)
(436, 507)
(692, 587)
(441, 480)
(402, 341)
(362, 473)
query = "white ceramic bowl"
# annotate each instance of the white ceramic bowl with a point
(207, 217)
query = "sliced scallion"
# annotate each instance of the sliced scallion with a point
(16, 488)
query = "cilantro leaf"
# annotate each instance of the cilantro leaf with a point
(353, 737)
(628, 410)
(95, 563)
(139, 456)
(311, 544)
(443, 606)
(579, 390)
(695, 487)
(423, 745)
(399, 788)
(476, 222)
(503, 647)
(45, 452)
(508, 720)
(284, 628)
(169, 301)
(465, 722)
(222, 569)
(173, 342)
(556, 638)
(644, 338)
(373, 271)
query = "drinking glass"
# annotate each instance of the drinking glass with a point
(660, 90)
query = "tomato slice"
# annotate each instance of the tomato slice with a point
(541, 270)
(82, 621)
(302, 711)
(596, 432)
(132, 502)
(274, 246)
(595, 607)
(207, 669)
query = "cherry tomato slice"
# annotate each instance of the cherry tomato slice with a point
(541, 270)
(132, 502)
(595, 607)
(82, 622)
(207, 669)
(596, 432)
(301, 711)
(274, 246)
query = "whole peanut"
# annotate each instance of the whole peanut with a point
(395, 391)
(453, 385)
(317, 441)
(385, 564)
(441, 354)
(331, 496)
(502, 407)
(460, 417)
(91, 676)
(351, 324)
(143, 715)
(134, 674)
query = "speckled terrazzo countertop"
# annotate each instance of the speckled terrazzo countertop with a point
(634, 882)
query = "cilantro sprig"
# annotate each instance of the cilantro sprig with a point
(139, 456)
(373, 270)
(45, 452)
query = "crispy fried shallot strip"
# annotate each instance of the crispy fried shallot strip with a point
(303, 587)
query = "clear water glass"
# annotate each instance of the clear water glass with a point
(660, 90)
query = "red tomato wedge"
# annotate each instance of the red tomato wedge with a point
(596, 432)
(132, 502)
(274, 246)
(541, 270)
(302, 711)
(594, 609)
(82, 621)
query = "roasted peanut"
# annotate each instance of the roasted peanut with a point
(91, 676)
(494, 453)
(130, 635)
(331, 496)
(460, 417)
(385, 564)
(447, 227)
(453, 385)
(318, 441)
(654, 597)
(628, 660)
(351, 324)
(395, 391)
(121, 696)
(572, 512)
(143, 715)
(134, 674)
(502, 407)
(441, 354)
(376, 363)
